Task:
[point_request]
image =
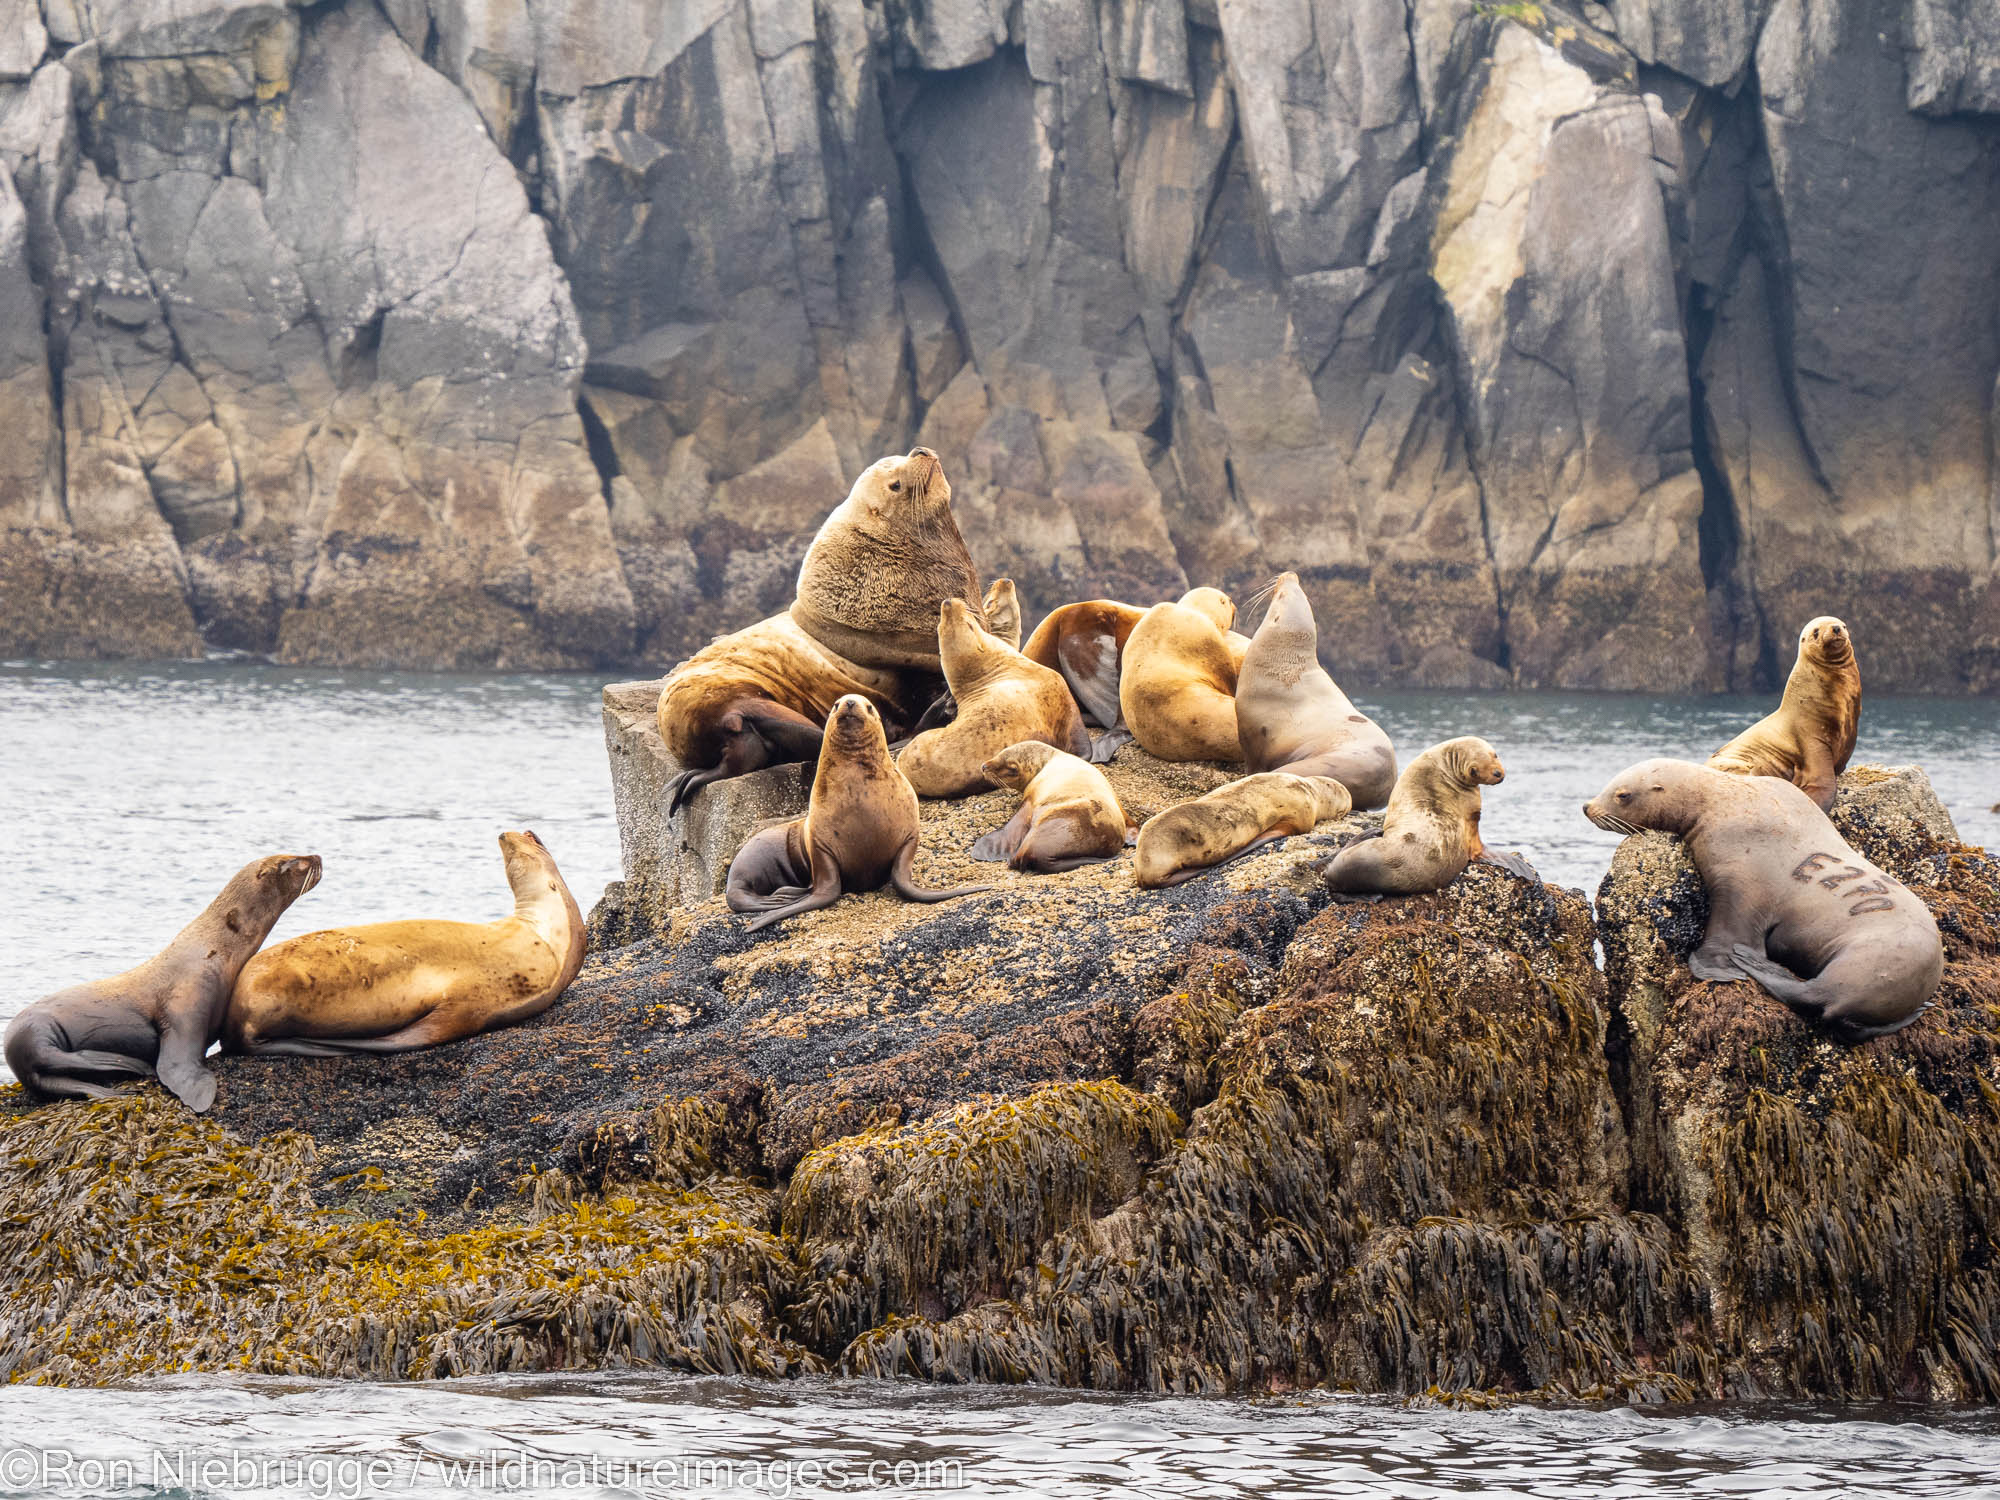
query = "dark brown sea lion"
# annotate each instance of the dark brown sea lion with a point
(1790, 903)
(1232, 821)
(1069, 814)
(1003, 699)
(399, 986)
(1291, 716)
(1177, 678)
(865, 621)
(162, 1016)
(1430, 831)
(1085, 642)
(859, 833)
(1809, 739)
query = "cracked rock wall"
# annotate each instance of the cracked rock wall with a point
(1592, 347)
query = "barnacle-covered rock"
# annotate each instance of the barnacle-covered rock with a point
(1841, 1204)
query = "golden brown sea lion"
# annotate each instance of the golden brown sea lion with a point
(1086, 642)
(859, 833)
(1231, 821)
(864, 622)
(1291, 716)
(1809, 739)
(1003, 698)
(890, 553)
(161, 1016)
(1177, 678)
(398, 986)
(1790, 903)
(1430, 832)
(1069, 814)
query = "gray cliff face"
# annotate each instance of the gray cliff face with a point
(1586, 348)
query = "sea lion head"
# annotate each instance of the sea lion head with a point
(287, 876)
(1212, 604)
(1003, 611)
(1826, 641)
(524, 855)
(903, 486)
(1471, 761)
(856, 724)
(1289, 615)
(1648, 795)
(1018, 765)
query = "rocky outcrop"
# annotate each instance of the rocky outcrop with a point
(1592, 346)
(1229, 1136)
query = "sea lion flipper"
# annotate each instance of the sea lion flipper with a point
(1108, 744)
(87, 1060)
(998, 846)
(942, 710)
(1775, 977)
(903, 879)
(1512, 863)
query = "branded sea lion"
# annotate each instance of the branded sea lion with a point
(1069, 814)
(1002, 697)
(1085, 642)
(1177, 678)
(1291, 716)
(860, 831)
(161, 1016)
(1430, 831)
(1232, 821)
(399, 986)
(864, 622)
(1809, 739)
(1790, 903)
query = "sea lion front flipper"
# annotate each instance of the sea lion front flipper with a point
(1513, 864)
(184, 1076)
(943, 709)
(998, 846)
(1108, 744)
(826, 889)
(903, 879)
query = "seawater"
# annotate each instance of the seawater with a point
(131, 792)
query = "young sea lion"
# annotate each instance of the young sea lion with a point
(1069, 815)
(398, 986)
(860, 830)
(1003, 698)
(1290, 715)
(864, 622)
(1790, 903)
(1809, 739)
(161, 1016)
(1231, 821)
(1003, 619)
(1430, 832)
(1177, 678)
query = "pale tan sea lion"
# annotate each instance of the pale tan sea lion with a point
(1430, 831)
(1003, 619)
(399, 986)
(1177, 678)
(1003, 698)
(1790, 903)
(1291, 716)
(864, 622)
(163, 1015)
(859, 833)
(1809, 739)
(1231, 821)
(1069, 814)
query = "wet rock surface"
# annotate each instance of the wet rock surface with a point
(1230, 1136)
(1587, 346)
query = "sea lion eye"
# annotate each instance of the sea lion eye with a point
(895, 484)
(1624, 796)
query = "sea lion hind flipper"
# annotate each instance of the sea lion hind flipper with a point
(1512, 863)
(1779, 980)
(903, 880)
(755, 733)
(998, 846)
(89, 1060)
(1108, 744)
(826, 889)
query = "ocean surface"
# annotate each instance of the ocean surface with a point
(130, 793)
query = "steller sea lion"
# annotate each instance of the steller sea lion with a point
(1430, 831)
(1291, 716)
(1809, 739)
(1003, 619)
(1002, 697)
(162, 1016)
(1069, 815)
(860, 830)
(864, 622)
(1790, 903)
(399, 986)
(1086, 642)
(1177, 678)
(1232, 821)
